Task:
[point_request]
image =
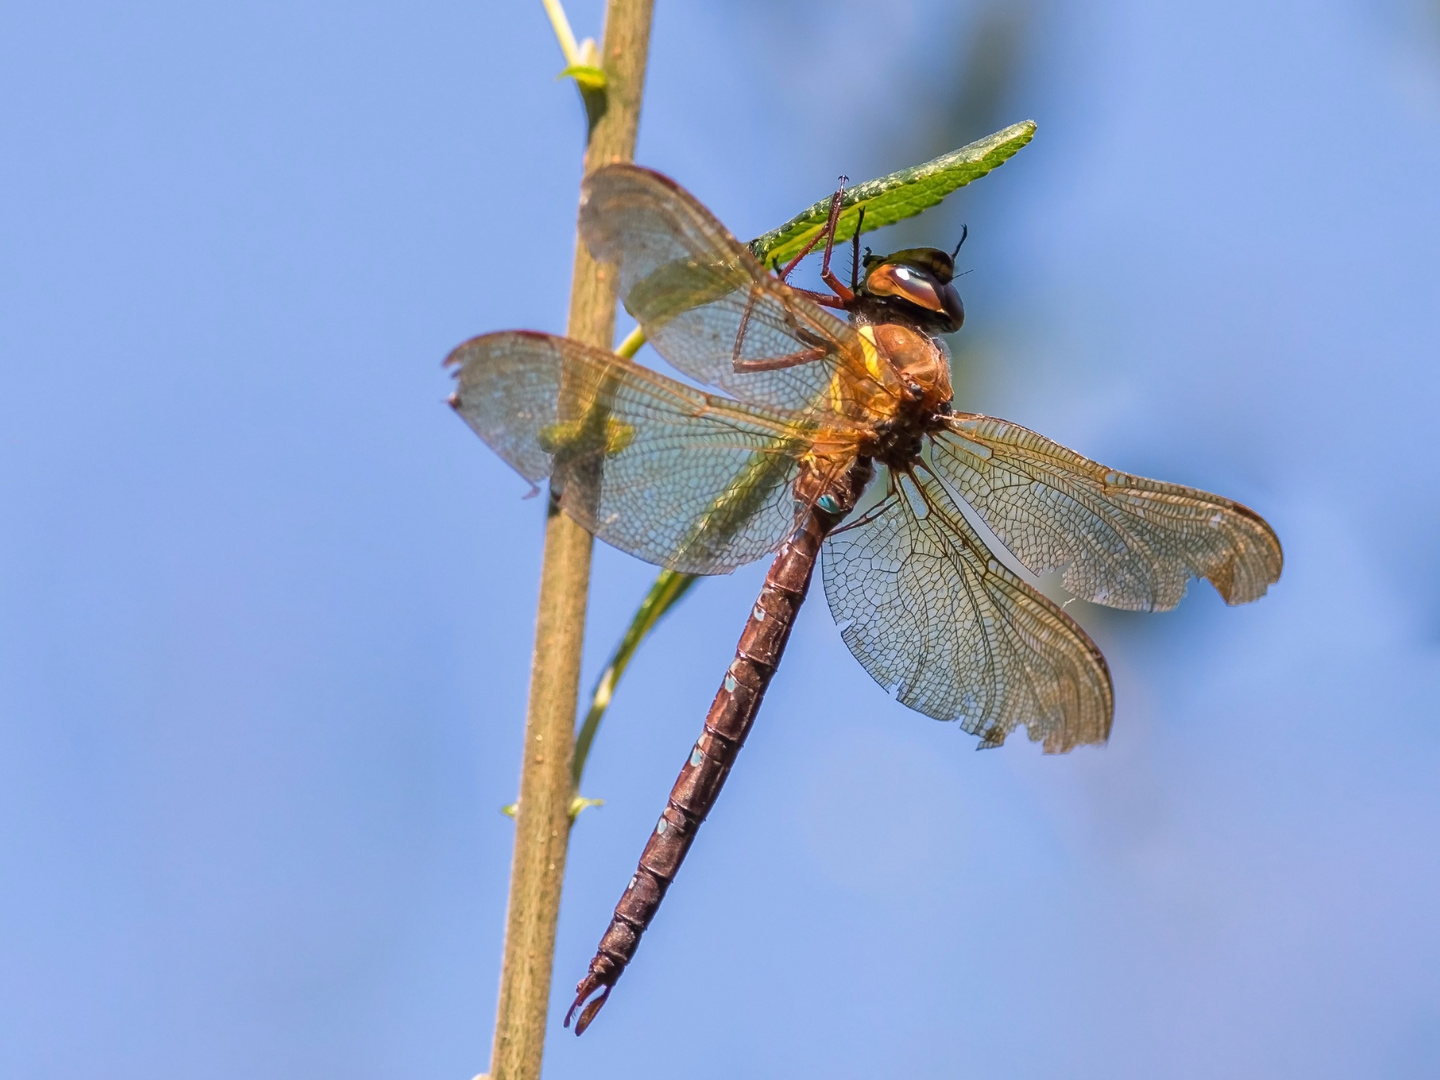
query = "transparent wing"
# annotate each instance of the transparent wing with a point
(1121, 540)
(704, 301)
(936, 620)
(679, 478)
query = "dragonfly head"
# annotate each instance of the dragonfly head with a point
(917, 281)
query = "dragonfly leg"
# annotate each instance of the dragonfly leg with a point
(842, 296)
(744, 325)
(826, 274)
(824, 299)
(775, 363)
(809, 247)
(819, 298)
(855, 251)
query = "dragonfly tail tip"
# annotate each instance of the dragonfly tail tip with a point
(588, 986)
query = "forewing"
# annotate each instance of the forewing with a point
(679, 478)
(932, 615)
(1121, 540)
(696, 291)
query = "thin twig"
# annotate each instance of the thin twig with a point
(542, 822)
(563, 34)
(669, 587)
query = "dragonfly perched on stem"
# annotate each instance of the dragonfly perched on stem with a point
(834, 434)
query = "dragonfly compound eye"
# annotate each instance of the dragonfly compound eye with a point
(924, 289)
(892, 279)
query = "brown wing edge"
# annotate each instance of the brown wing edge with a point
(1234, 579)
(1067, 736)
(1086, 704)
(1223, 577)
(604, 246)
(534, 467)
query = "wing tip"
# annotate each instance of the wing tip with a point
(1239, 580)
(619, 172)
(459, 356)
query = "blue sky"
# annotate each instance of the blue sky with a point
(266, 604)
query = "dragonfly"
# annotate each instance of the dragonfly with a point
(829, 426)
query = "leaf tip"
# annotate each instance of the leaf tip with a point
(579, 803)
(586, 76)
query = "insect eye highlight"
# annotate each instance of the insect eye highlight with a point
(893, 279)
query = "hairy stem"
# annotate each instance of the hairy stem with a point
(542, 822)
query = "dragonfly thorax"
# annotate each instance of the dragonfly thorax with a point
(896, 443)
(921, 361)
(921, 366)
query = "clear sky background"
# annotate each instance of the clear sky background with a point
(266, 605)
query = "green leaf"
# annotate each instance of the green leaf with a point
(669, 587)
(895, 197)
(579, 802)
(589, 78)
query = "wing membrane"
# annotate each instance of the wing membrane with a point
(933, 616)
(676, 477)
(696, 291)
(1121, 540)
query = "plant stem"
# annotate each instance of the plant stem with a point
(542, 822)
(561, 25)
(667, 591)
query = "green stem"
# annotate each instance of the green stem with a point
(669, 587)
(631, 345)
(563, 34)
